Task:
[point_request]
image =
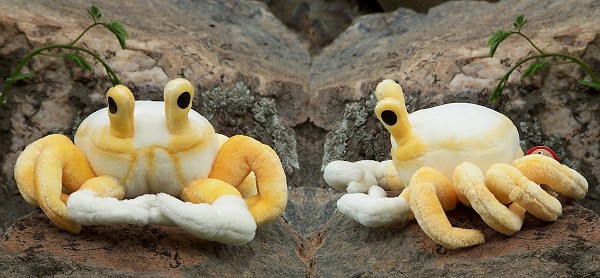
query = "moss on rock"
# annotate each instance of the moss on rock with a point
(237, 110)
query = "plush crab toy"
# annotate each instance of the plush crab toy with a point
(141, 162)
(447, 154)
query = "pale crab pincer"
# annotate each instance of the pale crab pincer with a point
(150, 162)
(447, 154)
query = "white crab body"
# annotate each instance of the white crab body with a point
(151, 165)
(456, 133)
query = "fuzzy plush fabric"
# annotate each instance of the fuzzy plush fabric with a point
(142, 162)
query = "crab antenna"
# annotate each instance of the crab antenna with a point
(178, 96)
(120, 111)
(391, 110)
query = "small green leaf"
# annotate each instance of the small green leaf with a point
(13, 79)
(80, 61)
(592, 84)
(117, 28)
(519, 23)
(495, 40)
(94, 13)
(533, 68)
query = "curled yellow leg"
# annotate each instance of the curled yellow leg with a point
(207, 190)
(248, 187)
(25, 168)
(430, 194)
(560, 178)
(240, 155)
(42, 170)
(508, 184)
(471, 188)
(105, 187)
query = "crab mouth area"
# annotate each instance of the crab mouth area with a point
(154, 169)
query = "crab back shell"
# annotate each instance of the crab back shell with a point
(460, 132)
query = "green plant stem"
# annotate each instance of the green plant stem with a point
(585, 67)
(17, 70)
(527, 38)
(83, 33)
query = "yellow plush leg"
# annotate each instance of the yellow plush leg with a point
(106, 187)
(240, 155)
(508, 184)
(560, 178)
(472, 191)
(393, 181)
(207, 190)
(430, 194)
(44, 168)
(406, 195)
(25, 168)
(248, 186)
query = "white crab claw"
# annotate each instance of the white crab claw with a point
(227, 220)
(375, 209)
(349, 177)
(86, 208)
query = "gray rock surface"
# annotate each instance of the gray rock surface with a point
(255, 77)
(34, 247)
(569, 247)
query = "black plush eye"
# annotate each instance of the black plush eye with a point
(112, 105)
(389, 117)
(183, 100)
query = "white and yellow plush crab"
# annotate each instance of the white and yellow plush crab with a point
(131, 161)
(441, 155)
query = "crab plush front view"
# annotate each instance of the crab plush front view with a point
(141, 162)
(439, 157)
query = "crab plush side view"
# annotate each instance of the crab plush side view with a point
(441, 154)
(132, 161)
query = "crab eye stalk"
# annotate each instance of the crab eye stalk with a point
(120, 111)
(391, 110)
(178, 102)
(389, 89)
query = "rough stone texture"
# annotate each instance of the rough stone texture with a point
(255, 77)
(442, 57)
(236, 111)
(34, 247)
(309, 208)
(319, 22)
(420, 6)
(569, 247)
